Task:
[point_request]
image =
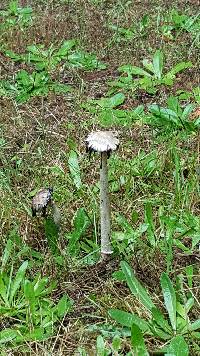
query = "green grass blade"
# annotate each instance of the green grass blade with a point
(6, 254)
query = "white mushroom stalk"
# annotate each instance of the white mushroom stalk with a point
(104, 142)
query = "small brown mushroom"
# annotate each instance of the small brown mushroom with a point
(41, 200)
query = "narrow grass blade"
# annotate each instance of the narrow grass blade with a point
(6, 254)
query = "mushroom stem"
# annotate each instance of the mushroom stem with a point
(105, 208)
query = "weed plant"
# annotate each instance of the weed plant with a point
(68, 68)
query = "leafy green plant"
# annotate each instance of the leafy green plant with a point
(85, 61)
(26, 303)
(48, 59)
(148, 78)
(126, 240)
(27, 85)
(194, 95)
(41, 58)
(128, 34)
(172, 117)
(16, 15)
(107, 113)
(157, 325)
(174, 23)
(81, 223)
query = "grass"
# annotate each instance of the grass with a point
(154, 176)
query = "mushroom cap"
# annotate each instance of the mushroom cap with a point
(42, 198)
(102, 141)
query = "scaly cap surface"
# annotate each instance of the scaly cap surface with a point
(102, 141)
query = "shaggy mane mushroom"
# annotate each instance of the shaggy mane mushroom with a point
(103, 142)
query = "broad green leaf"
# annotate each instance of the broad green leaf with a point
(127, 319)
(179, 67)
(18, 280)
(137, 341)
(136, 288)
(148, 65)
(3, 290)
(40, 285)
(158, 332)
(177, 347)
(116, 343)
(164, 113)
(195, 325)
(30, 297)
(65, 48)
(110, 103)
(75, 169)
(100, 347)
(174, 105)
(160, 320)
(86, 61)
(64, 306)
(133, 70)
(7, 335)
(119, 276)
(158, 64)
(195, 240)
(189, 270)
(60, 88)
(169, 298)
(187, 111)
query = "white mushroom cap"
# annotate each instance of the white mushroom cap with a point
(102, 141)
